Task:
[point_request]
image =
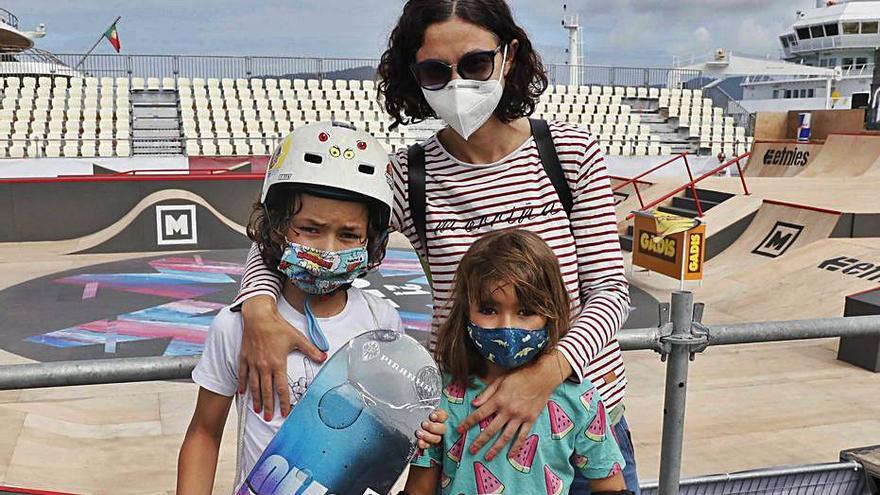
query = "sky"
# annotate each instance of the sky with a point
(640, 33)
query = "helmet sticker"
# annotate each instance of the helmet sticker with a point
(362, 145)
(335, 152)
(349, 154)
(280, 154)
(323, 137)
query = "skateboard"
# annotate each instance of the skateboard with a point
(353, 431)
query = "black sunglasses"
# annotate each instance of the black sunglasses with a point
(435, 74)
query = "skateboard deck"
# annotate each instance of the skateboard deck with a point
(353, 431)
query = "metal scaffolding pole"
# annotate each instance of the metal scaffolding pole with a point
(777, 331)
(676, 391)
(93, 372)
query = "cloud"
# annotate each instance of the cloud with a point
(616, 32)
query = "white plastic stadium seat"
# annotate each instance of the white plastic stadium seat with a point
(192, 147)
(137, 83)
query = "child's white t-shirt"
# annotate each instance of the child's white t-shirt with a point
(217, 370)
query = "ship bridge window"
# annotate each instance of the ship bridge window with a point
(850, 28)
(869, 27)
(784, 41)
(803, 33)
(831, 30)
(861, 62)
(847, 62)
(817, 31)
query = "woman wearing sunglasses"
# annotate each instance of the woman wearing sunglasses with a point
(468, 63)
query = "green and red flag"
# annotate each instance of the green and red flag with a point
(113, 37)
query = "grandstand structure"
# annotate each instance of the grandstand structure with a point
(109, 106)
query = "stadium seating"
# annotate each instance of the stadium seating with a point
(91, 117)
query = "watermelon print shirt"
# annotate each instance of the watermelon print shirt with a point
(572, 432)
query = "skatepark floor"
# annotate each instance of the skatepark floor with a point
(749, 406)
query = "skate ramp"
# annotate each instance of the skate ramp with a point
(143, 210)
(845, 155)
(777, 229)
(874, 170)
(809, 282)
(781, 158)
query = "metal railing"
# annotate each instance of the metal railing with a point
(44, 147)
(635, 181)
(8, 18)
(693, 182)
(722, 99)
(235, 67)
(678, 338)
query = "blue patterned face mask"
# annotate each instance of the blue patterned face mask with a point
(507, 347)
(320, 272)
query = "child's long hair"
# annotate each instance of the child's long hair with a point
(516, 257)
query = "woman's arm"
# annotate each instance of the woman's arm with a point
(422, 480)
(604, 290)
(197, 463)
(268, 338)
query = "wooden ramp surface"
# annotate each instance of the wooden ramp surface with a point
(777, 229)
(845, 155)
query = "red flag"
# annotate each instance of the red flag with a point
(113, 37)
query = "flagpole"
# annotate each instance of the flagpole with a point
(95, 45)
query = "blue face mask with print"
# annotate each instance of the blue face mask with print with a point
(507, 347)
(319, 272)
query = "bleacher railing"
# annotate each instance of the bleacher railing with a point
(235, 67)
(43, 147)
(679, 336)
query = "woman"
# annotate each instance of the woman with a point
(469, 63)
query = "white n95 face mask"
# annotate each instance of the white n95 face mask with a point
(464, 104)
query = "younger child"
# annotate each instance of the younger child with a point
(510, 305)
(322, 221)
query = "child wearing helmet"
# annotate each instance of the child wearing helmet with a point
(322, 220)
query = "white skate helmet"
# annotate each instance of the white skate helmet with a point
(332, 160)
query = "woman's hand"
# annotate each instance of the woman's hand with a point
(516, 400)
(432, 431)
(268, 339)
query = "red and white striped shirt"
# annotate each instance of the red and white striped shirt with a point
(465, 201)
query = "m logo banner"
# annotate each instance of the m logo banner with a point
(176, 224)
(780, 239)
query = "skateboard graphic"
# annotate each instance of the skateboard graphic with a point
(353, 431)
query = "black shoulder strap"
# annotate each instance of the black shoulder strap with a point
(415, 165)
(550, 161)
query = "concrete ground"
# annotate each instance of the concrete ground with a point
(749, 406)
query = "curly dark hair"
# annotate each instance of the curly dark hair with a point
(267, 225)
(401, 93)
